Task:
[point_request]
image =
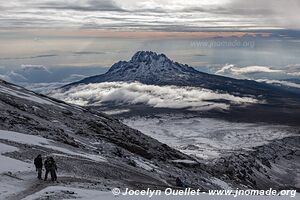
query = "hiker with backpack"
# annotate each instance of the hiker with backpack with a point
(53, 169)
(50, 166)
(38, 163)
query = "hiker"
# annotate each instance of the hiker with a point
(38, 162)
(179, 183)
(47, 165)
(53, 169)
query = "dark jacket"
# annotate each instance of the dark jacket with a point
(48, 165)
(53, 165)
(38, 162)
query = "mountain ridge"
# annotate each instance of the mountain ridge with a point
(148, 67)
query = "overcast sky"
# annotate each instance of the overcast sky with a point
(65, 40)
(166, 15)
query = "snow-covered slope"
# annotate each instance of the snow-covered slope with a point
(25, 111)
(208, 138)
(97, 152)
(263, 154)
(92, 150)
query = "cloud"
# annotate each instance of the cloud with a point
(293, 69)
(15, 77)
(281, 83)
(88, 53)
(27, 68)
(294, 73)
(43, 88)
(166, 15)
(12, 76)
(231, 69)
(29, 57)
(5, 77)
(256, 72)
(87, 5)
(25, 73)
(151, 95)
(278, 13)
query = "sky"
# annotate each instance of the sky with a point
(59, 41)
(166, 15)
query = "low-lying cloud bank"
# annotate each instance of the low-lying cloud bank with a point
(155, 96)
(280, 83)
(282, 76)
(256, 72)
(231, 69)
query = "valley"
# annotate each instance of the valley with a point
(152, 133)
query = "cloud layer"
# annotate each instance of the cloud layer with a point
(150, 14)
(280, 77)
(154, 96)
(280, 83)
(255, 72)
(29, 68)
(231, 69)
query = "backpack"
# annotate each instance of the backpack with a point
(48, 164)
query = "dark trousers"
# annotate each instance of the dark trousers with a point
(46, 174)
(53, 175)
(39, 171)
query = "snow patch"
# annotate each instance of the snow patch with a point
(46, 143)
(185, 161)
(221, 183)
(30, 96)
(23, 95)
(145, 165)
(10, 164)
(207, 138)
(116, 112)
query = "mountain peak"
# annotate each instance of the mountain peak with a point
(147, 67)
(147, 56)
